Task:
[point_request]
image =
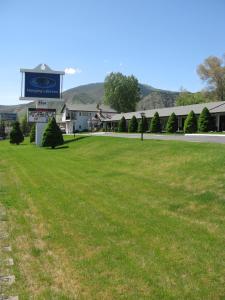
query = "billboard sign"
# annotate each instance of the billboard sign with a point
(42, 85)
(8, 117)
(40, 115)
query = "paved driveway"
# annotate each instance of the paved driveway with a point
(188, 138)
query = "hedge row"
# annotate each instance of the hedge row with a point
(191, 125)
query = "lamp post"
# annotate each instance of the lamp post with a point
(142, 123)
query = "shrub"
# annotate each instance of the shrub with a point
(25, 126)
(205, 121)
(190, 124)
(155, 125)
(172, 123)
(16, 135)
(32, 133)
(143, 127)
(52, 136)
(2, 130)
(122, 125)
(133, 124)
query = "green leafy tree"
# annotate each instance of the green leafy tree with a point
(122, 125)
(133, 124)
(155, 125)
(172, 123)
(2, 130)
(32, 133)
(212, 71)
(143, 126)
(187, 98)
(190, 124)
(121, 92)
(52, 136)
(205, 121)
(25, 126)
(16, 135)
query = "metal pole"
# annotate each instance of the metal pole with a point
(142, 129)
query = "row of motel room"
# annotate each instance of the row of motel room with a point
(91, 117)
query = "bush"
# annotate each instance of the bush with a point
(205, 121)
(32, 133)
(2, 130)
(133, 124)
(25, 126)
(122, 125)
(52, 136)
(172, 123)
(143, 127)
(155, 125)
(16, 135)
(190, 124)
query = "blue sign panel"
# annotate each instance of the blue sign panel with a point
(8, 116)
(42, 85)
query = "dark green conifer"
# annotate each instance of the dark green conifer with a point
(16, 135)
(143, 127)
(172, 123)
(32, 133)
(190, 124)
(205, 121)
(52, 136)
(155, 126)
(122, 125)
(133, 124)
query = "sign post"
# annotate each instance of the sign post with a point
(41, 85)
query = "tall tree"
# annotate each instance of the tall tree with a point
(16, 135)
(172, 123)
(52, 136)
(212, 71)
(155, 125)
(190, 124)
(133, 124)
(122, 125)
(205, 121)
(121, 92)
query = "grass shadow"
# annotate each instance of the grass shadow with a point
(75, 139)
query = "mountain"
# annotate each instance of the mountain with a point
(94, 93)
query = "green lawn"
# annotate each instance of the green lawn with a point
(112, 218)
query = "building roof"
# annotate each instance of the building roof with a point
(88, 107)
(213, 107)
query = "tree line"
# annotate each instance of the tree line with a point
(192, 124)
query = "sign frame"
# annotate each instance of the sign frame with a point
(40, 117)
(41, 69)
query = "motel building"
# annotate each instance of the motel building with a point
(217, 110)
(84, 117)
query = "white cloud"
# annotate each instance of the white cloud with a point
(72, 71)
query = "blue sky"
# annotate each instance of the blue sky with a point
(161, 42)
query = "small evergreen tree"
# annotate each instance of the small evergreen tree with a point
(2, 130)
(172, 123)
(52, 136)
(16, 135)
(25, 126)
(133, 124)
(32, 133)
(122, 125)
(190, 124)
(143, 127)
(205, 121)
(155, 125)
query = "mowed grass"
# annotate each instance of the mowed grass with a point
(112, 218)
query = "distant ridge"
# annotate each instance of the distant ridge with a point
(94, 93)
